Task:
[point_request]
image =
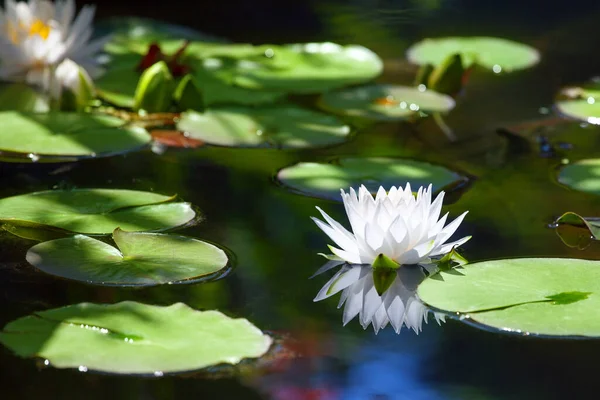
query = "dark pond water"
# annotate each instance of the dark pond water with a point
(511, 203)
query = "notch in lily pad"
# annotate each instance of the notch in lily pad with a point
(140, 259)
(134, 338)
(96, 211)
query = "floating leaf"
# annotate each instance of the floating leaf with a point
(309, 68)
(96, 211)
(134, 338)
(385, 102)
(142, 259)
(134, 35)
(582, 103)
(275, 126)
(582, 175)
(542, 296)
(68, 134)
(117, 86)
(499, 55)
(324, 180)
(217, 90)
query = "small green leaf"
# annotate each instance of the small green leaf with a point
(154, 91)
(384, 262)
(188, 95)
(447, 78)
(451, 260)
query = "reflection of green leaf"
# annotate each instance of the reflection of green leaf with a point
(142, 259)
(268, 126)
(69, 134)
(325, 179)
(591, 224)
(582, 175)
(134, 338)
(384, 102)
(521, 295)
(95, 211)
(577, 231)
(489, 52)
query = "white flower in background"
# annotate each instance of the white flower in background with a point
(71, 86)
(36, 36)
(389, 231)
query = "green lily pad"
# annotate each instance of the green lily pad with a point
(583, 175)
(216, 91)
(68, 134)
(22, 97)
(540, 296)
(324, 180)
(134, 35)
(96, 211)
(499, 55)
(117, 86)
(142, 259)
(134, 338)
(385, 102)
(581, 103)
(310, 68)
(274, 126)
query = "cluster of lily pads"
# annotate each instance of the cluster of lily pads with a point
(77, 229)
(241, 95)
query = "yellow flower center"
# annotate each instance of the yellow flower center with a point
(38, 27)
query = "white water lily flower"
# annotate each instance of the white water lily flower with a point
(399, 305)
(36, 36)
(398, 228)
(406, 229)
(72, 78)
